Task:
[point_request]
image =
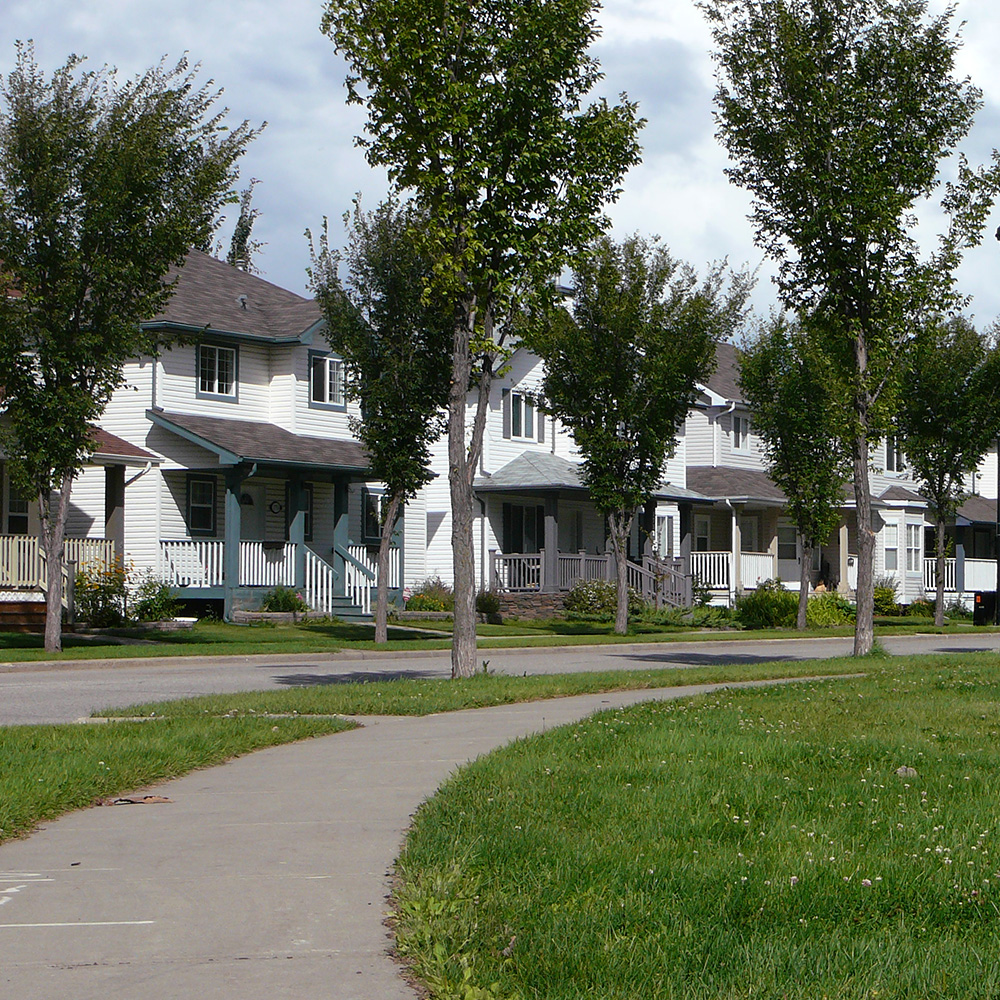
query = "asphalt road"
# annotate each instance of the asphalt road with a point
(64, 692)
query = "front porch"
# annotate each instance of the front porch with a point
(197, 568)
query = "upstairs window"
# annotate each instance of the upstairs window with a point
(895, 460)
(741, 433)
(521, 419)
(217, 371)
(17, 511)
(326, 381)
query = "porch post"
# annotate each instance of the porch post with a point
(297, 527)
(843, 587)
(647, 527)
(231, 544)
(550, 554)
(341, 535)
(684, 553)
(114, 507)
(737, 548)
(959, 561)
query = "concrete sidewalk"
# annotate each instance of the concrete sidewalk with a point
(263, 878)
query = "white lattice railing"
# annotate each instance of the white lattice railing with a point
(192, 562)
(930, 574)
(267, 564)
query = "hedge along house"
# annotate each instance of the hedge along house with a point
(258, 481)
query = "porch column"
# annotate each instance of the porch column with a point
(737, 548)
(231, 546)
(959, 560)
(114, 507)
(550, 571)
(647, 527)
(341, 535)
(686, 521)
(843, 587)
(297, 527)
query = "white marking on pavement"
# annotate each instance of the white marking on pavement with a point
(88, 923)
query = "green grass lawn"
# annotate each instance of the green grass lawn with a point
(753, 843)
(49, 770)
(209, 638)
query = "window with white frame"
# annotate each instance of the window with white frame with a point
(522, 416)
(371, 514)
(326, 381)
(891, 535)
(17, 510)
(741, 433)
(217, 370)
(201, 505)
(665, 536)
(702, 533)
(895, 460)
(914, 548)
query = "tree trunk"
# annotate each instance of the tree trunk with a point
(939, 570)
(462, 461)
(864, 628)
(53, 541)
(382, 588)
(807, 553)
(621, 523)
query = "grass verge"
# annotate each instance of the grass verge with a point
(412, 696)
(49, 770)
(750, 843)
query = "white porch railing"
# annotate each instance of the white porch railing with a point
(358, 581)
(980, 574)
(712, 569)
(369, 559)
(756, 567)
(267, 564)
(320, 585)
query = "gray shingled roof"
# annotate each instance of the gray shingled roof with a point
(901, 493)
(979, 509)
(209, 295)
(541, 470)
(723, 381)
(108, 445)
(733, 484)
(254, 441)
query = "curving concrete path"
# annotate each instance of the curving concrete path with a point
(264, 878)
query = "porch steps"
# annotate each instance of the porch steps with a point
(346, 611)
(22, 616)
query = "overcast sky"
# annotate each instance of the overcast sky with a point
(276, 66)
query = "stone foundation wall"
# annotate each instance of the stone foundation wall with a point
(532, 605)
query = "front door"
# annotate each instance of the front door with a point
(252, 513)
(788, 552)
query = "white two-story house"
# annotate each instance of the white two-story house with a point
(228, 466)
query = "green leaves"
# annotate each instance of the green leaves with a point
(104, 187)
